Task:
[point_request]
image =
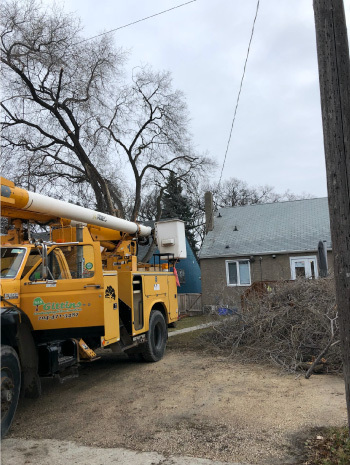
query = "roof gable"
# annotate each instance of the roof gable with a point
(268, 228)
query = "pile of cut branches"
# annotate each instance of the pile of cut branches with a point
(293, 325)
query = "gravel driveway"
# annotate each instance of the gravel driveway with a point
(188, 404)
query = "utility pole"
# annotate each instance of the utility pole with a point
(334, 74)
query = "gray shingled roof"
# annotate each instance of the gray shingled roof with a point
(295, 226)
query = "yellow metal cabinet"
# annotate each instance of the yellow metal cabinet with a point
(111, 310)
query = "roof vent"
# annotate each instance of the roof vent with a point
(219, 215)
(227, 247)
(235, 228)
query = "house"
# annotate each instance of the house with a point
(265, 242)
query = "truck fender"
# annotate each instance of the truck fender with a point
(28, 354)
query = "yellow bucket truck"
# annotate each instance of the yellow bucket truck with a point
(81, 290)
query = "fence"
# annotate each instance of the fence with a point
(189, 303)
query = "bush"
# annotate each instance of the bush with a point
(288, 324)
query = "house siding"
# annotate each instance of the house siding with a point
(214, 284)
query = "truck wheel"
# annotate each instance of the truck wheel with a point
(154, 347)
(10, 386)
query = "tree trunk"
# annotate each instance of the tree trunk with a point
(147, 257)
(334, 74)
(153, 246)
(137, 203)
(100, 187)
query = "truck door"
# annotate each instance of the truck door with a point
(71, 296)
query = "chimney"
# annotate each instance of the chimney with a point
(209, 212)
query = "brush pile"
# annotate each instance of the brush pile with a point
(289, 325)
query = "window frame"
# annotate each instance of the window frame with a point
(237, 262)
(20, 266)
(56, 252)
(306, 258)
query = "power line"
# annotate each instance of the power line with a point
(135, 22)
(239, 92)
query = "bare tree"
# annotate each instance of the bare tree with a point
(148, 124)
(234, 192)
(52, 87)
(68, 121)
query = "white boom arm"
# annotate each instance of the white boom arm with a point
(41, 204)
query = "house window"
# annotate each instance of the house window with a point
(304, 267)
(238, 273)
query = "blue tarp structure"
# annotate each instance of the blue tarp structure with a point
(188, 270)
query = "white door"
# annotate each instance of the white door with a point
(304, 267)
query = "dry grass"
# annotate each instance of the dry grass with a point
(329, 447)
(188, 321)
(289, 326)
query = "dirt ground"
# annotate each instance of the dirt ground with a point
(189, 403)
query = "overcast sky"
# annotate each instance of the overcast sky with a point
(277, 137)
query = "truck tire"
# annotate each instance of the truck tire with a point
(154, 348)
(10, 386)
